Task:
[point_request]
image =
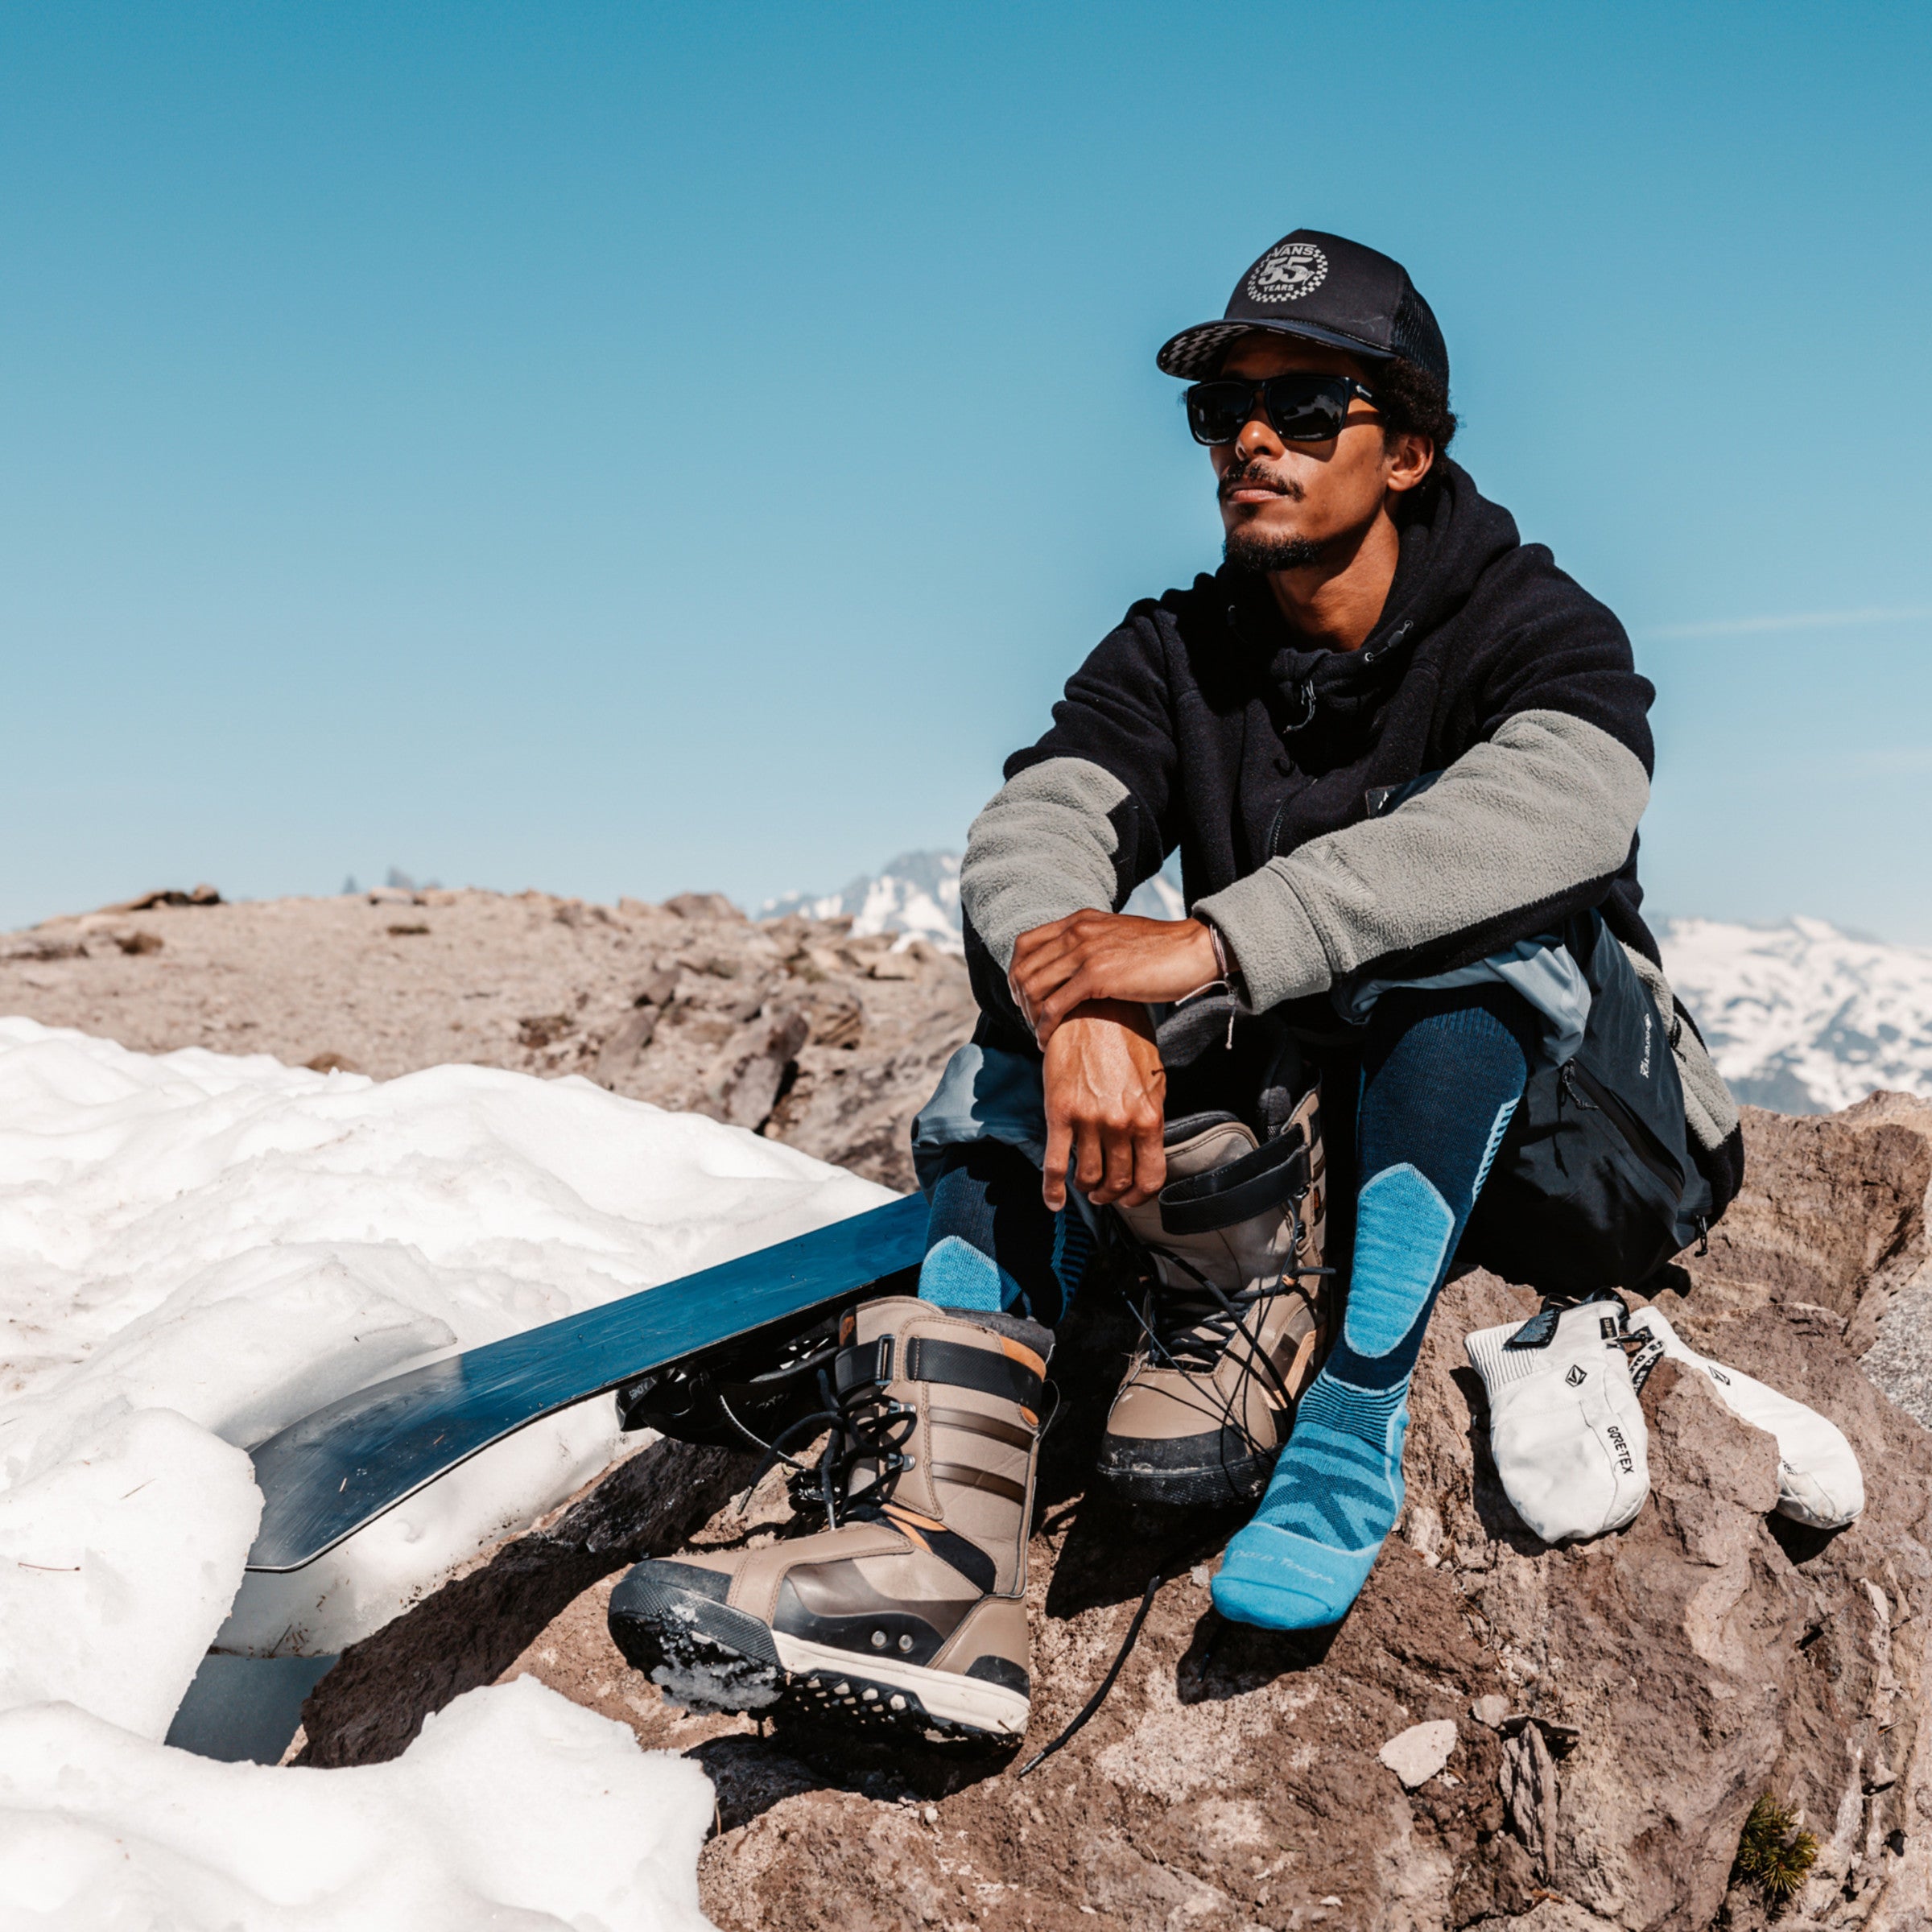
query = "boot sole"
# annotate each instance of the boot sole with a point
(1188, 1489)
(707, 1656)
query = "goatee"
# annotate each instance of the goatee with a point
(1247, 548)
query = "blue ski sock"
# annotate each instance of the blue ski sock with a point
(955, 1274)
(1442, 1075)
(993, 1245)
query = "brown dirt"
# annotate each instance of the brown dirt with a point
(792, 1027)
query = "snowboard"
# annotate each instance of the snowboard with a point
(325, 1477)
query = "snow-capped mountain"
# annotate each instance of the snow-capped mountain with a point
(1802, 1016)
(919, 894)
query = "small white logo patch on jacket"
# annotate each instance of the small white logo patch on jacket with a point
(1287, 273)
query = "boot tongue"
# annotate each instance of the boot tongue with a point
(887, 1317)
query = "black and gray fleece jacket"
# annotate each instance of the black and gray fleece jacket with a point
(1202, 722)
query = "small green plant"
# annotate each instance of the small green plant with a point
(1774, 1854)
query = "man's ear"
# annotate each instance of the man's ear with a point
(1410, 460)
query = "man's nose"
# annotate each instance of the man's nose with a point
(1257, 438)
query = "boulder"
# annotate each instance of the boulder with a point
(171, 895)
(702, 905)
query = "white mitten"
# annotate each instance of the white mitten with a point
(1819, 1480)
(1565, 1425)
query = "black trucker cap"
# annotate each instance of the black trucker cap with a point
(1328, 290)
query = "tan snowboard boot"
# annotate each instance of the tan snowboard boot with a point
(908, 1611)
(1236, 1320)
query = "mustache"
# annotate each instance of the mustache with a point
(1253, 475)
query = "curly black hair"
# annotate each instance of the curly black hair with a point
(1412, 402)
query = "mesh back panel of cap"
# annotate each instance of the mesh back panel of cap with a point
(1416, 338)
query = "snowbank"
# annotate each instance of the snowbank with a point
(515, 1808)
(235, 1242)
(197, 1250)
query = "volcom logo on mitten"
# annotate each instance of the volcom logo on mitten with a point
(1718, 1375)
(1577, 1375)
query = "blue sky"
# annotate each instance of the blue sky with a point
(621, 448)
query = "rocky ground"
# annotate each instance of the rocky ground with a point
(1614, 1711)
(1609, 1713)
(790, 1027)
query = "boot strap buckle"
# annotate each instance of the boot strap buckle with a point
(865, 1362)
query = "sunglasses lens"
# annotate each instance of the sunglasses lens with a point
(1306, 410)
(1216, 411)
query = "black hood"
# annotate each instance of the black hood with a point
(1445, 547)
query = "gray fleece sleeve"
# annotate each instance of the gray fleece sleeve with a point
(1042, 848)
(1548, 804)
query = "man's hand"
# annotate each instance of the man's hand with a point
(1105, 1095)
(1107, 956)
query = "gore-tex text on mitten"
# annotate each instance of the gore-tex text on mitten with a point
(1565, 1425)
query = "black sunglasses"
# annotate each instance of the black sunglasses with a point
(1302, 407)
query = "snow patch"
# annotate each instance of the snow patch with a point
(515, 1808)
(198, 1250)
(237, 1242)
(116, 1566)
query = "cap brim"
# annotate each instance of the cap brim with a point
(1196, 353)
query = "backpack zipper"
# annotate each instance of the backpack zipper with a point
(1632, 1130)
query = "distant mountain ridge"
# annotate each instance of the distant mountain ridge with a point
(1801, 1017)
(918, 893)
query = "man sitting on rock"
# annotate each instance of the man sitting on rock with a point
(1403, 758)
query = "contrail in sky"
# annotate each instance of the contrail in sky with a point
(1808, 619)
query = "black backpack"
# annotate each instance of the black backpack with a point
(1596, 1184)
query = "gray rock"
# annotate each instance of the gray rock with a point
(619, 1052)
(1417, 1754)
(703, 905)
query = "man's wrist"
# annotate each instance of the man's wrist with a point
(1271, 944)
(1223, 969)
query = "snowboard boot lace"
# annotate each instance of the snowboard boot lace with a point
(863, 1427)
(1190, 1324)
